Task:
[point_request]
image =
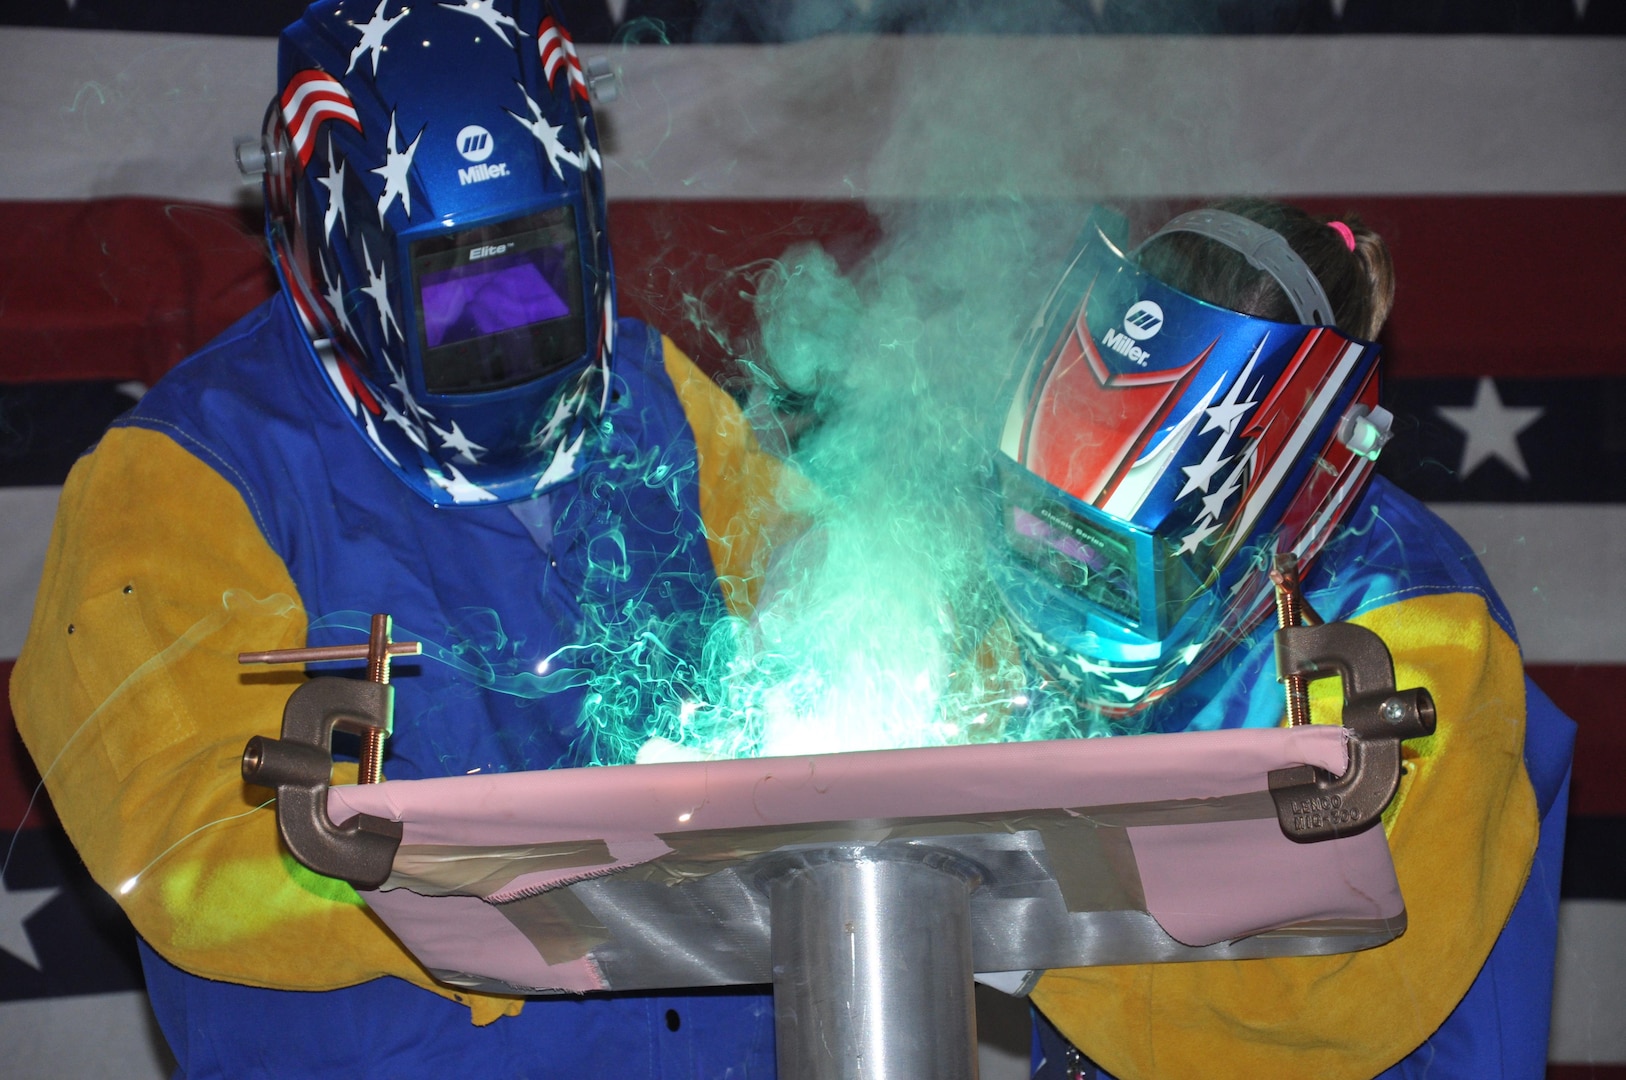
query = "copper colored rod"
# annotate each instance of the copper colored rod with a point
(378, 670)
(377, 653)
(1289, 613)
(327, 652)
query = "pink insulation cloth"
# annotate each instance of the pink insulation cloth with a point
(1212, 862)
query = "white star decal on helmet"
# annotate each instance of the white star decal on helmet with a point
(1214, 505)
(1143, 476)
(334, 183)
(454, 439)
(372, 433)
(1205, 527)
(486, 11)
(547, 134)
(334, 295)
(563, 410)
(372, 35)
(377, 287)
(398, 383)
(563, 465)
(394, 171)
(1128, 691)
(1224, 415)
(459, 487)
(408, 426)
(1200, 475)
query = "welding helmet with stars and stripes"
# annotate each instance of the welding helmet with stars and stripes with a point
(1157, 451)
(435, 208)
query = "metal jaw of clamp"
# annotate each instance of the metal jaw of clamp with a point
(300, 764)
(1312, 804)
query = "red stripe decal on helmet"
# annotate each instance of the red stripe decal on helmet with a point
(358, 386)
(557, 49)
(311, 97)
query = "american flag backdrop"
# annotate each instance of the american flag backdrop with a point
(1486, 142)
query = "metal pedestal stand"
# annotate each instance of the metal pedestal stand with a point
(872, 963)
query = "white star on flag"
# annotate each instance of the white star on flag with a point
(16, 908)
(486, 11)
(378, 287)
(456, 440)
(459, 487)
(334, 183)
(546, 134)
(394, 172)
(372, 35)
(1492, 429)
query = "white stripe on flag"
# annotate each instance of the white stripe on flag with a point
(1557, 568)
(1591, 983)
(98, 1035)
(105, 114)
(26, 514)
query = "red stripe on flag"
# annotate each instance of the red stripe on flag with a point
(1591, 694)
(1501, 285)
(124, 288)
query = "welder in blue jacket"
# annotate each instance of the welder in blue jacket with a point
(1189, 410)
(440, 417)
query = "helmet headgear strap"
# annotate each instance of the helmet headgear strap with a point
(1266, 250)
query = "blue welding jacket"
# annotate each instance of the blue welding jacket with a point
(1394, 550)
(494, 591)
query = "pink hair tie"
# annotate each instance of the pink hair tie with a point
(1343, 230)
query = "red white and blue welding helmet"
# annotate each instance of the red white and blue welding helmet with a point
(435, 206)
(1157, 451)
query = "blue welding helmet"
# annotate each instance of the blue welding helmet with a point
(1157, 450)
(435, 206)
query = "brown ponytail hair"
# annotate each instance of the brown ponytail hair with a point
(1360, 284)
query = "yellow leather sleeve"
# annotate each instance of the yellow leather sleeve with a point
(129, 696)
(740, 484)
(1462, 830)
